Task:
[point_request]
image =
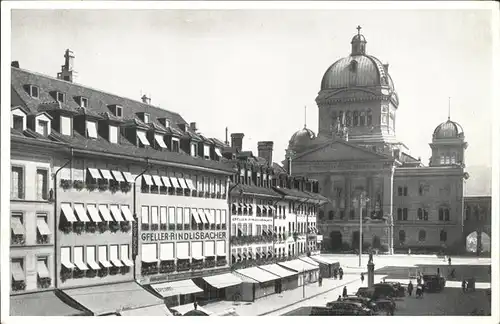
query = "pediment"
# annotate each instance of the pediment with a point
(338, 150)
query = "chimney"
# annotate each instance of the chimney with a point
(15, 64)
(237, 141)
(67, 72)
(266, 151)
(226, 142)
(386, 68)
(146, 100)
(192, 126)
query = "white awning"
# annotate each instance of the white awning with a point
(298, 265)
(210, 217)
(17, 271)
(218, 152)
(117, 214)
(156, 310)
(190, 184)
(92, 264)
(105, 213)
(174, 288)
(166, 181)
(81, 265)
(221, 253)
(257, 274)
(223, 280)
(126, 261)
(104, 261)
(127, 214)
(174, 182)
(277, 270)
(183, 184)
(94, 173)
(42, 226)
(142, 138)
(203, 217)
(159, 140)
(66, 262)
(157, 180)
(309, 260)
(118, 175)
(320, 259)
(81, 213)
(16, 226)
(116, 262)
(129, 177)
(106, 174)
(196, 217)
(147, 179)
(94, 215)
(42, 270)
(68, 213)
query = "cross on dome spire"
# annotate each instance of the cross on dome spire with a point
(359, 29)
(358, 43)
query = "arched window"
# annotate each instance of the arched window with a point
(348, 118)
(421, 236)
(447, 214)
(443, 236)
(369, 117)
(362, 118)
(441, 214)
(331, 215)
(402, 236)
(419, 214)
(400, 214)
(405, 213)
(355, 118)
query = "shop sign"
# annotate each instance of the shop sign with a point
(182, 236)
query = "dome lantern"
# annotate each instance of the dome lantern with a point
(358, 43)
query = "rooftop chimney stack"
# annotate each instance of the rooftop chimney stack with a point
(237, 141)
(227, 141)
(266, 151)
(67, 73)
(192, 126)
(145, 99)
(15, 64)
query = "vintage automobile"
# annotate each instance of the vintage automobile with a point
(433, 283)
(389, 289)
(348, 308)
(367, 302)
(310, 311)
(378, 291)
(400, 288)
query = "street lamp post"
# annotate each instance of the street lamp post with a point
(361, 200)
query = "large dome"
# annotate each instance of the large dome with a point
(357, 70)
(301, 139)
(448, 129)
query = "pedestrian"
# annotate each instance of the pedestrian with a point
(341, 273)
(409, 251)
(449, 260)
(362, 278)
(340, 298)
(344, 292)
(320, 281)
(195, 305)
(410, 289)
(464, 285)
(335, 273)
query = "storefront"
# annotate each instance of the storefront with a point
(308, 273)
(179, 292)
(45, 303)
(326, 266)
(256, 283)
(288, 279)
(223, 286)
(113, 298)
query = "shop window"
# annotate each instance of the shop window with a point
(421, 236)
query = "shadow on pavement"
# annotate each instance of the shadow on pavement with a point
(462, 271)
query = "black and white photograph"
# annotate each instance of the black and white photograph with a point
(250, 159)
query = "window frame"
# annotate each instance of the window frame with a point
(58, 93)
(22, 118)
(21, 193)
(31, 87)
(46, 185)
(44, 125)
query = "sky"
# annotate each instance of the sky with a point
(254, 71)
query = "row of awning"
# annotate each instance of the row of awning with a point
(120, 176)
(251, 255)
(168, 182)
(266, 232)
(100, 214)
(92, 263)
(18, 274)
(249, 206)
(152, 259)
(17, 226)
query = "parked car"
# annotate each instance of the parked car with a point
(385, 305)
(348, 308)
(433, 283)
(367, 302)
(378, 291)
(310, 311)
(400, 288)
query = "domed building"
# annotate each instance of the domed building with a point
(366, 172)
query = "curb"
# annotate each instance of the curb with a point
(307, 298)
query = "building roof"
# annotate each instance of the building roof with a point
(448, 129)
(301, 139)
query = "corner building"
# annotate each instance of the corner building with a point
(365, 171)
(273, 223)
(131, 195)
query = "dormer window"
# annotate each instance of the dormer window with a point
(175, 144)
(194, 149)
(83, 102)
(113, 134)
(146, 118)
(33, 91)
(159, 141)
(18, 121)
(206, 151)
(43, 127)
(116, 110)
(91, 129)
(167, 123)
(142, 139)
(61, 97)
(66, 126)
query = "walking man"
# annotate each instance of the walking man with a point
(449, 261)
(410, 289)
(362, 278)
(344, 292)
(341, 273)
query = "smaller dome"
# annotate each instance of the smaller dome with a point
(448, 129)
(301, 138)
(358, 38)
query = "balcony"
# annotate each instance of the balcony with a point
(149, 268)
(210, 262)
(167, 266)
(197, 265)
(183, 266)
(221, 261)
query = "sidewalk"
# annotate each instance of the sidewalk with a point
(275, 302)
